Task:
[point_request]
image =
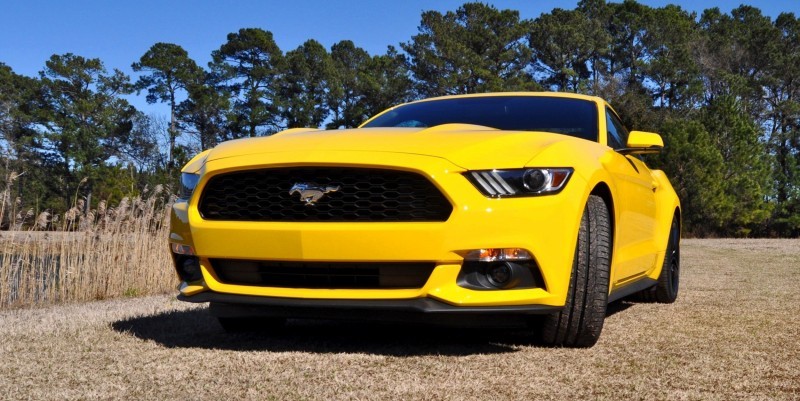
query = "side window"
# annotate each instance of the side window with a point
(617, 134)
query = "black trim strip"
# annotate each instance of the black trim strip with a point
(632, 288)
(417, 305)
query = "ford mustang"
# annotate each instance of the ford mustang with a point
(529, 206)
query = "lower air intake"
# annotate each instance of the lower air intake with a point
(323, 275)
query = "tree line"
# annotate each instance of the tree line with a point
(723, 89)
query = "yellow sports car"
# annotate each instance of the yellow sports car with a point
(524, 206)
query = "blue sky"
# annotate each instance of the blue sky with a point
(119, 32)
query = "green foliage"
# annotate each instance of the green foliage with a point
(303, 90)
(252, 62)
(19, 108)
(783, 119)
(204, 112)
(696, 168)
(477, 48)
(86, 120)
(737, 52)
(362, 86)
(670, 45)
(345, 92)
(746, 177)
(168, 69)
(385, 82)
(563, 45)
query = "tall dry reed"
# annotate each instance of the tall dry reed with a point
(86, 254)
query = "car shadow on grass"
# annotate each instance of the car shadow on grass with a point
(196, 328)
(619, 306)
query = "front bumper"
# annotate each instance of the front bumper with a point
(545, 225)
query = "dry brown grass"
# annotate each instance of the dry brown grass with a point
(733, 334)
(94, 254)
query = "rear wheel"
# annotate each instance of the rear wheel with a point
(580, 322)
(666, 289)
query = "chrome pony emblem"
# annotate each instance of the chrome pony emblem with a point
(311, 193)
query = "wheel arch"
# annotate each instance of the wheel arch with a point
(602, 190)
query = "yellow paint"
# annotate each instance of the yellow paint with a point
(189, 289)
(645, 140)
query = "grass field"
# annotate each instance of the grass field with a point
(733, 334)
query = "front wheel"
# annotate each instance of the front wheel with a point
(580, 322)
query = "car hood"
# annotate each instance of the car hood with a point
(468, 146)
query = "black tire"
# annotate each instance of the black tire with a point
(580, 322)
(666, 289)
(246, 324)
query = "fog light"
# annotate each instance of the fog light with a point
(500, 274)
(189, 268)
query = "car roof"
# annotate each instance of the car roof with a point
(530, 94)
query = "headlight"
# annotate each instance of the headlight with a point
(521, 182)
(188, 183)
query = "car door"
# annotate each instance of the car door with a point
(634, 247)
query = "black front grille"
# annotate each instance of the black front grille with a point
(360, 195)
(371, 275)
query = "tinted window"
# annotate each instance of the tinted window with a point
(617, 134)
(574, 117)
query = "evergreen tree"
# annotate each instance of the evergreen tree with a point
(696, 169)
(204, 111)
(345, 95)
(628, 22)
(782, 95)
(563, 46)
(670, 66)
(19, 104)
(746, 177)
(303, 89)
(19, 141)
(252, 63)
(86, 121)
(477, 48)
(385, 82)
(168, 69)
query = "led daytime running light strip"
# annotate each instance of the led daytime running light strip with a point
(493, 183)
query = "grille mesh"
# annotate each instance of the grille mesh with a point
(323, 275)
(369, 195)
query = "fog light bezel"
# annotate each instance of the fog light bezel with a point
(186, 262)
(188, 268)
(476, 270)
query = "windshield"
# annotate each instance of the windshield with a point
(575, 117)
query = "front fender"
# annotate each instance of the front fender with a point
(668, 204)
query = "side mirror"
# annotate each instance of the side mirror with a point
(640, 142)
